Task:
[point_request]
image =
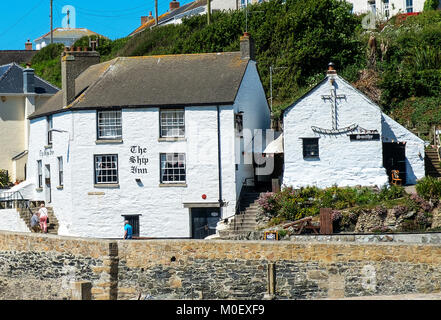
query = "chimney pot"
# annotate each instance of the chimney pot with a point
(331, 68)
(28, 45)
(174, 5)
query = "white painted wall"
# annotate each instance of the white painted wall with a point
(341, 161)
(395, 6)
(10, 221)
(252, 101)
(224, 4)
(344, 162)
(14, 130)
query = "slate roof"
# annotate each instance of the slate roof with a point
(17, 56)
(11, 81)
(170, 15)
(155, 81)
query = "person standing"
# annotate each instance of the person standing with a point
(43, 218)
(35, 222)
(128, 230)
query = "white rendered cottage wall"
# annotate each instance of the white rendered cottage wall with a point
(395, 6)
(415, 168)
(10, 221)
(251, 100)
(85, 210)
(61, 147)
(341, 161)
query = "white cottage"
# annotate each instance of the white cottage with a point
(335, 135)
(150, 139)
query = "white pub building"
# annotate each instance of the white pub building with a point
(150, 139)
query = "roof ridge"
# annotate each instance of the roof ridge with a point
(48, 83)
(7, 71)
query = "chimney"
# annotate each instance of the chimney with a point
(331, 69)
(28, 45)
(145, 19)
(174, 5)
(247, 46)
(73, 63)
(28, 80)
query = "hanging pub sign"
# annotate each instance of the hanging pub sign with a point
(364, 136)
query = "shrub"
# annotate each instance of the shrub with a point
(5, 181)
(429, 188)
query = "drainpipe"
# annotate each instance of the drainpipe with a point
(219, 160)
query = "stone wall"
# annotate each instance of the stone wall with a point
(199, 269)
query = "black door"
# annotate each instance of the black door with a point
(394, 158)
(203, 222)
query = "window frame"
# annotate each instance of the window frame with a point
(95, 169)
(306, 143)
(40, 173)
(172, 126)
(50, 126)
(60, 171)
(117, 127)
(163, 174)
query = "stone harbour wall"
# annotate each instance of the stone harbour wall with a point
(48, 267)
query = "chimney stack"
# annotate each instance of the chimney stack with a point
(174, 5)
(28, 45)
(331, 69)
(247, 46)
(28, 80)
(73, 63)
(145, 19)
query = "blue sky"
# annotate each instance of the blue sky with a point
(29, 19)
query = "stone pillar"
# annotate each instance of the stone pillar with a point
(270, 294)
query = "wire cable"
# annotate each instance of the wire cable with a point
(19, 20)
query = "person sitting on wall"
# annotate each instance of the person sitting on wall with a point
(43, 218)
(128, 230)
(35, 222)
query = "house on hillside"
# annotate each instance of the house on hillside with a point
(387, 8)
(176, 12)
(335, 135)
(154, 140)
(66, 36)
(21, 93)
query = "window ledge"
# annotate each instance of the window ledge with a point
(182, 185)
(60, 187)
(39, 189)
(171, 139)
(108, 141)
(107, 185)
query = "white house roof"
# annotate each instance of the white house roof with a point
(71, 33)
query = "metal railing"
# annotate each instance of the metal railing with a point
(14, 200)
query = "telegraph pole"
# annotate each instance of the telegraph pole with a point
(208, 11)
(52, 21)
(156, 12)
